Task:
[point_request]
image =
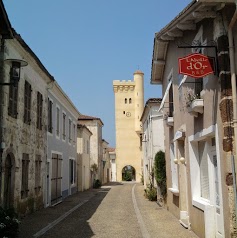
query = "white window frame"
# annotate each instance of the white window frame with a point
(174, 170)
(205, 134)
(48, 132)
(69, 130)
(64, 128)
(73, 171)
(74, 133)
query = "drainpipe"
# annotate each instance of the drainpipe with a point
(233, 85)
(2, 41)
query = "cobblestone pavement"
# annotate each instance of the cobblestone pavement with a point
(118, 210)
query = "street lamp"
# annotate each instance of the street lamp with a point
(15, 70)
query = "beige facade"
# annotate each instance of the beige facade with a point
(129, 104)
(112, 158)
(197, 120)
(84, 173)
(106, 168)
(95, 125)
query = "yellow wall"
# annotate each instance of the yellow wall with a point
(128, 129)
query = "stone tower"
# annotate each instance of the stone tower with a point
(129, 105)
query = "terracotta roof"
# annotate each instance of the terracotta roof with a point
(79, 126)
(109, 149)
(138, 72)
(150, 100)
(85, 117)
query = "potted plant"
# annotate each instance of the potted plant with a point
(194, 103)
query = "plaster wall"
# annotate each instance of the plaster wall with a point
(83, 163)
(192, 125)
(56, 144)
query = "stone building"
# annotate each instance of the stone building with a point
(23, 122)
(84, 172)
(106, 169)
(129, 104)
(94, 124)
(201, 115)
(112, 158)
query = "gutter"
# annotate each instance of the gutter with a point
(2, 121)
(233, 86)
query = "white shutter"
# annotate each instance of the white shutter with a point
(203, 163)
(174, 167)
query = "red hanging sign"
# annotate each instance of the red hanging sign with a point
(196, 65)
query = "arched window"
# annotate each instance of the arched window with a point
(130, 100)
(126, 100)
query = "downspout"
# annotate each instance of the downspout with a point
(233, 85)
(2, 144)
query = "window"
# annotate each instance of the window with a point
(126, 100)
(39, 110)
(27, 103)
(70, 130)
(88, 147)
(56, 179)
(130, 100)
(174, 168)
(58, 121)
(203, 163)
(24, 178)
(171, 104)
(50, 116)
(74, 133)
(72, 171)
(37, 173)
(64, 126)
(13, 96)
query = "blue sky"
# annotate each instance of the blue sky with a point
(87, 44)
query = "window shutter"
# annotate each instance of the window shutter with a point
(203, 163)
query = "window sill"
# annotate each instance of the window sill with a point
(200, 203)
(196, 107)
(175, 191)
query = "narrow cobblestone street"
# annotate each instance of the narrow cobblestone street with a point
(116, 210)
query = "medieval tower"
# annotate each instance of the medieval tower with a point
(129, 105)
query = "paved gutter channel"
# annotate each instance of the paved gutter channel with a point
(141, 223)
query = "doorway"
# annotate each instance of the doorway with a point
(9, 181)
(128, 173)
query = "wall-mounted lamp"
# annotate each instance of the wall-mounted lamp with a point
(176, 161)
(15, 70)
(182, 160)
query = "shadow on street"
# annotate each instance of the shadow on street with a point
(74, 225)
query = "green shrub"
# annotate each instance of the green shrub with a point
(127, 175)
(97, 183)
(150, 193)
(9, 224)
(160, 172)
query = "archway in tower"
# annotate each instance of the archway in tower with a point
(128, 173)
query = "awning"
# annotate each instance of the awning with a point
(165, 95)
(182, 80)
